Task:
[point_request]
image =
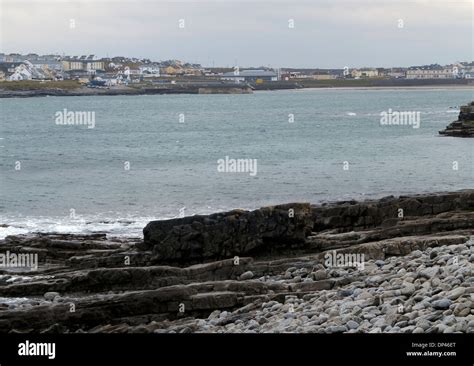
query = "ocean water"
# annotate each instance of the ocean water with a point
(74, 179)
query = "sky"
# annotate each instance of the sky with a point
(275, 33)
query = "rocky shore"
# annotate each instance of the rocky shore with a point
(464, 126)
(394, 265)
(181, 88)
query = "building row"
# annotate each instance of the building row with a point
(455, 71)
(15, 67)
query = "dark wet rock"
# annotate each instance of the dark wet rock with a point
(442, 304)
(464, 126)
(228, 234)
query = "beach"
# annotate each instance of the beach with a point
(395, 265)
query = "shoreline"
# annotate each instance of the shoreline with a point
(193, 89)
(257, 271)
(91, 222)
(417, 87)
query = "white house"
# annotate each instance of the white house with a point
(250, 75)
(150, 70)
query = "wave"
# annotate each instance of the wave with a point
(116, 227)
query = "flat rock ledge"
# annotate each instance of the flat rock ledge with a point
(394, 265)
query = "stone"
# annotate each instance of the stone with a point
(319, 275)
(442, 304)
(49, 296)
(336, 329)
(364, 296)
(455, 293)
(408, 289)
(345, 292)
(351, 324)
(462, 310)
(429, 272)
(246, 276)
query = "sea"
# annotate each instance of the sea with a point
(152, 157)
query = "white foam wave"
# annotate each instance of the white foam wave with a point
(121, 227)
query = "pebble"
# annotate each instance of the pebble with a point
(429, 272)
(351, 324)
(408, 289)
(246, 276)
(364, 295)
(336, 329)
(319, 275)
(436, 297)
(345, 292)
(442, 304)
(454, 294)
(49, 296)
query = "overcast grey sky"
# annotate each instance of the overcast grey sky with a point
(326, 33)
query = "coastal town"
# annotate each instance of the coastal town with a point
(33, 71)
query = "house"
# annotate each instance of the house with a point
(466, 70)
(9, 67)
(21, 72)
(396, 73)
(250, 76)
(71, 64)
(323, 75)
(149, 70)
(431, 72)
(169, 70)
(364, 73)
(16, 71)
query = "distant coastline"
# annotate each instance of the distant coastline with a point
(9, 90)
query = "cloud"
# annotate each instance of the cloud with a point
(327, 33)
